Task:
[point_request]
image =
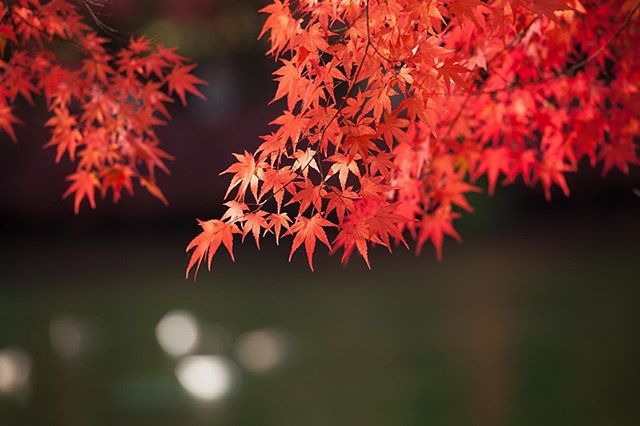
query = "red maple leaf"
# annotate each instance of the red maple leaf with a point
(83, 185)
(308, 231)
(181, 81)
(214, 233)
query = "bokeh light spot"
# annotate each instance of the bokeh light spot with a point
(15, 371)
(261, 350)
(178, 333)
(206, 377)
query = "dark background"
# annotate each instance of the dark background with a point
(532, 320)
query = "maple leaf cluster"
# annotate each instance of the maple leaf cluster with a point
(393, 109)
(104, 103)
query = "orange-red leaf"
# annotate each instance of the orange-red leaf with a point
(254, 222)
(434, 227)
(246, 174)
(83, 185)
(308, 231)
(181, 82)
(214, 233)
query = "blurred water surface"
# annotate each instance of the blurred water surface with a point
(532, 328)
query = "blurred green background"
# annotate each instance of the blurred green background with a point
(533, 320)
(526, 328)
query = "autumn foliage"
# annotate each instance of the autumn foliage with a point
(393, 109)
(104, 101)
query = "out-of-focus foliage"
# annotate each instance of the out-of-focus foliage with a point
(104, 103)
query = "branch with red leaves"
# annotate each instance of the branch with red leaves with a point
(104, 104)
(392, 110)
